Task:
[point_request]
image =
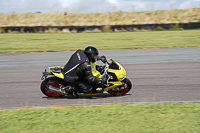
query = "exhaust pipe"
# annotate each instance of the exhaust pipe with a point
(56, 90)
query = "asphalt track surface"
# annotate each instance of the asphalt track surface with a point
(157, 75)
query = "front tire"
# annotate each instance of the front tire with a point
(53, 81)
(123, 89)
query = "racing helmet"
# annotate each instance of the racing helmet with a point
(92, 53)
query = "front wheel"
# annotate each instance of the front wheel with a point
(53, 81)
(123, 89)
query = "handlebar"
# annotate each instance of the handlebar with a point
(105, 69)
(105, 73)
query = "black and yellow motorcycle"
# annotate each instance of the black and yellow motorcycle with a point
(53, 84)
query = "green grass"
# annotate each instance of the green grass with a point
(109, 118)
(42, 42)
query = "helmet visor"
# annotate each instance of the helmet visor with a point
(94, 57)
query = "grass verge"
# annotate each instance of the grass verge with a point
(44, 42)
(163, 117)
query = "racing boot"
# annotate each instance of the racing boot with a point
(68, 89)
(72, 91)
(93, 90)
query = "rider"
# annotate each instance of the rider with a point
(78, 73)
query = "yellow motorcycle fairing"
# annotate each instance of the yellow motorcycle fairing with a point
(94, 70)
(115, 84)
(57, 71)
(99, 90)
(120, 73)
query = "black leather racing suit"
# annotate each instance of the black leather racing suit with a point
(86, 82)
(78, 73)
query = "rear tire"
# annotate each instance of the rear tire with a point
(53, 81)
(123, 89)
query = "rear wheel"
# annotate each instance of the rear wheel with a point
(53, 81)
(123, 89)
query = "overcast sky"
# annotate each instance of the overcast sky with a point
(24, 6)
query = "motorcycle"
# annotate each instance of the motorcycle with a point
(53, 84)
